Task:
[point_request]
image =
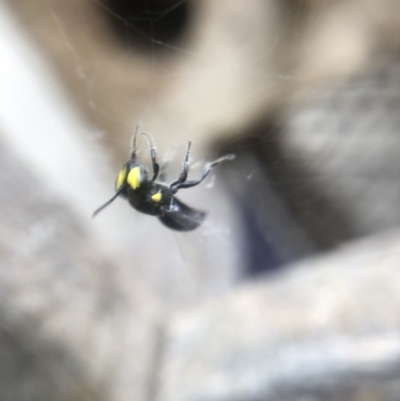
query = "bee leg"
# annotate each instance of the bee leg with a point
(207, 170)
(163, 176)
(133, 151)
(153, 154)
(184, 173)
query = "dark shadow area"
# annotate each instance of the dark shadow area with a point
(261, 254)
(286, 212)
(147, 24)
(302, 191)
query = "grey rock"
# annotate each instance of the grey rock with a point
(68, 330)
(324, 329)
(346, 137)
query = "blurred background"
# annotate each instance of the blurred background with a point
(290, 290)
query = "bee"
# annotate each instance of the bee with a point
(157, 198)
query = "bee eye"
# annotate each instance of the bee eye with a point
(134, 177)
(120, 179)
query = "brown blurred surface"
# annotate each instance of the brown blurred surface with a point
(280, 295)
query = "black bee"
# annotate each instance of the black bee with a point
(156, 198)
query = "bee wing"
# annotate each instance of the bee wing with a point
(181, 217)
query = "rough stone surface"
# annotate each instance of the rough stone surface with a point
(346, 138)
(327, 328)
(327, 164)
(68, 328)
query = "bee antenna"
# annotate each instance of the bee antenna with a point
(98, 210)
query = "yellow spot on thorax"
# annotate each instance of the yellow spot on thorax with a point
(120, 179)
(157, 197)
(134, 178)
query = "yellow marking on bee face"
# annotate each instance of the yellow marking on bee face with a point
(120, 179)
(156, 197)
(134, 178)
